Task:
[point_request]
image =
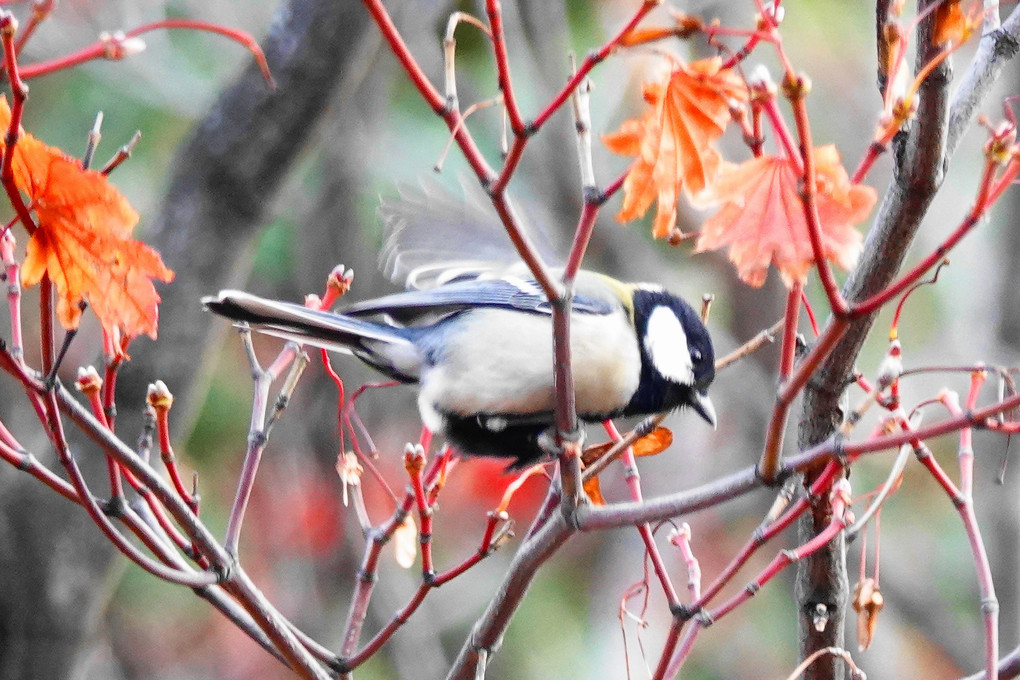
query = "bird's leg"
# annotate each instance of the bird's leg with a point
(568, 450)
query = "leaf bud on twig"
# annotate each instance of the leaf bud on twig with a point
(88, 380)
(159, 397)
(117, 46)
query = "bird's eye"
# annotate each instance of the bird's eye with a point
(696, 354)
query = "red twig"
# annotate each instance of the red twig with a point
(964, 504)
(796, 88)
(648, 538)
(610, 189)
(875, 150)
(766, 532)
(236, 582)
(376, 539)
(676, 648)
(492, 538)
(766, 103)
(414, 464)
(8, 27)
(986, 197)
(113, 357)
(46, 347)
(399, 619)
(41, 10)
(810, 313)
(88, 383)
(840, 499)
(839, 505)
(682, 539)
(489, 540)
(790, 327)
(591, 61)
(258, 434)
(185, 578)
(766, 27)
(13, 453)
(238, 36)
(429, 93)
(160, 400)
(12, 272)
(347, 416)
(495, 11)
(116, 46)
(788, 390)
(633, 478)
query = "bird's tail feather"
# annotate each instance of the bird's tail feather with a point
(387, 347)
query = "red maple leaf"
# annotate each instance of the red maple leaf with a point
(762, 218)
(83, 240)
(690, 108)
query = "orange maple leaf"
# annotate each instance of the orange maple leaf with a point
(690, 108)
(83, 240)
(593, 490)
(762, 219)
(956, 23)
(653, 443)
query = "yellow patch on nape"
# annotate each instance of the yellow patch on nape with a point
(622, 291)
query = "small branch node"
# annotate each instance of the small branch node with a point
(340, 665)
(27, 461)
(367, 576)
(839, 449)
(225, 572)
(683, 612)
(704, 618)
(257, 439)
(115, 507)
(989, 605)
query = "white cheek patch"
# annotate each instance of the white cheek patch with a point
(666, 344)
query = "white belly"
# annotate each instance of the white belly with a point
(500, 361)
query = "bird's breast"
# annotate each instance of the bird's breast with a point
(497, 361)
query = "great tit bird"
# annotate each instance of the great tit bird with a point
(479, 346)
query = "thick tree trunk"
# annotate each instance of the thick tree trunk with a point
(920, 158)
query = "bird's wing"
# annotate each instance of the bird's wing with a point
(522, 295)
(434, 237)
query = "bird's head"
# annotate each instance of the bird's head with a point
(678, 362)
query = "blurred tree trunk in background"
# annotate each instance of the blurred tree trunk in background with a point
(54, 565)
(225, 179)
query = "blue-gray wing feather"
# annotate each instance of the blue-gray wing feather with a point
(524, 296)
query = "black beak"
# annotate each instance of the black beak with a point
(702, 405)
